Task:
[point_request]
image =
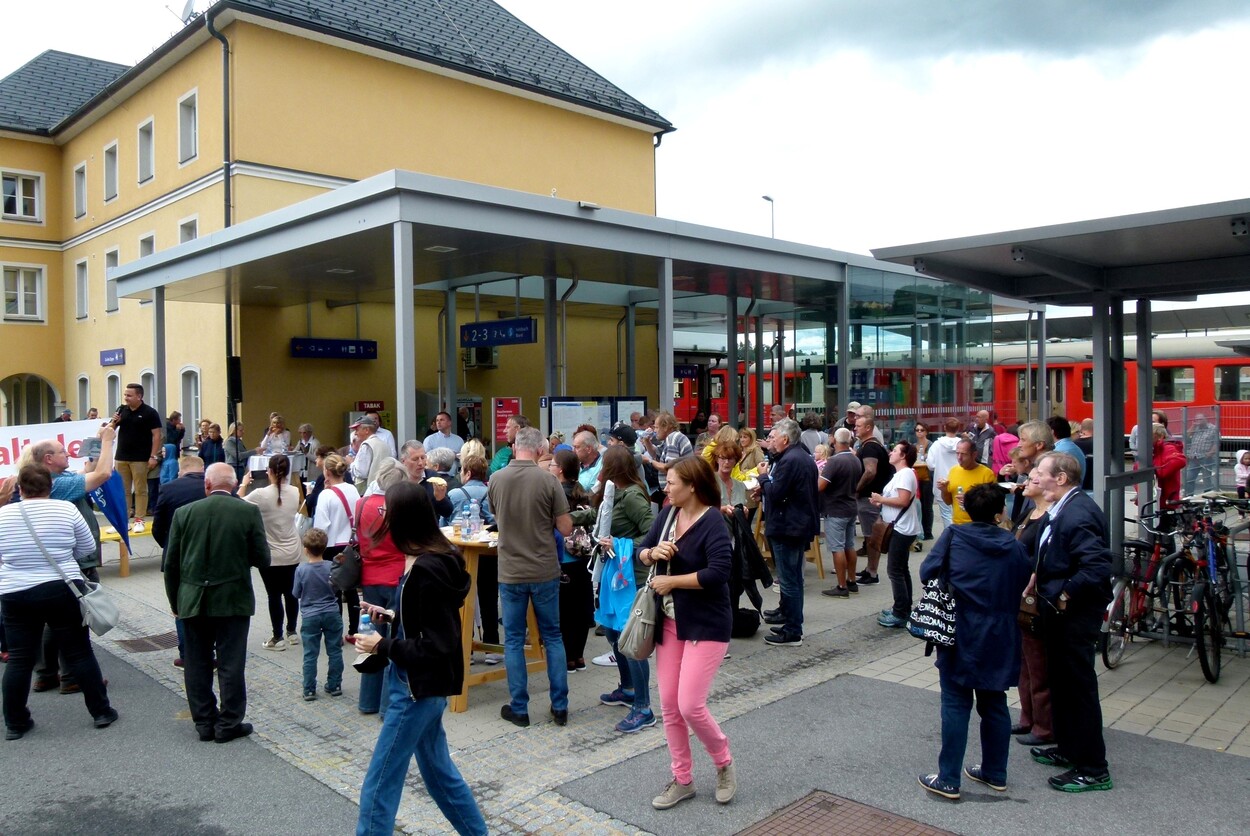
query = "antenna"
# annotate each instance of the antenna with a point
(188, 12)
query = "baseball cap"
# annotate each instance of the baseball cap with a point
(853, 405)
(624, 433)
(365, 422)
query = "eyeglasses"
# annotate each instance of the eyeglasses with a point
(727, 459)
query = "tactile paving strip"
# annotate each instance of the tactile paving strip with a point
(821, 813)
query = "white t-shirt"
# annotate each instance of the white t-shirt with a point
(906, 520)
(285, 548)
(61, 529)
(332, 517)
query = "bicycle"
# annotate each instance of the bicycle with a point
(1137, 588)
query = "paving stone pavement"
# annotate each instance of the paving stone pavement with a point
(514, 772)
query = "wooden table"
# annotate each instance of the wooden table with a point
(536, 659)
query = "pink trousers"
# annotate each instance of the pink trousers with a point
(685, 670)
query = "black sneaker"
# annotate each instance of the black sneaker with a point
(776, 631)
(785, 640)
(776, 618)
(561, 717)
(515, 719)
(1078, 780)
(106, 719)
(852, 587)
(937, 786)
(866, 579)
(771, 613)
(1049, 756)
(836, 592)
(975, 773)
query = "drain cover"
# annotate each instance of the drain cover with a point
(824, 813)
(146, 644)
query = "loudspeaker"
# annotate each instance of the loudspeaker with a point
(234, 378)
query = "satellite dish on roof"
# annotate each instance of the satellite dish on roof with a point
(188, 11)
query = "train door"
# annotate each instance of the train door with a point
(1056, 392)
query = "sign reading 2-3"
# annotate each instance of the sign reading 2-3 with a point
(499, 332)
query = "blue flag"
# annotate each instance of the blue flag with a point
(110, 498)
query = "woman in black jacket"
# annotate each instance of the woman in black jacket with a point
(427, 666)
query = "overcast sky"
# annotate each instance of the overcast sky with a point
(872, 122)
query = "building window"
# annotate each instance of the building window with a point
(190, 397)
(110, 172)
(148, 381)
(21, 195)
(80, 190)
(23, 293)
(147, 245)
(114, 392)
(147, 169)
(110, 284)
(188, 129)
(84, 396)
(81, 289)
(188, 231)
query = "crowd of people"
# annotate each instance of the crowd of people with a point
(681, 508)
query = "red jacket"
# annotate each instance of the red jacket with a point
(1169, 461)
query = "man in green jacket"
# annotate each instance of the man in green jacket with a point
(504, 454)
(213, 545)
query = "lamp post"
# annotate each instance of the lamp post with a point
(772, 216)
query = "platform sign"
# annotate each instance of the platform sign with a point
(499, 332)
(503, 409)
(686, 370)
(327, 349)
(113, 357)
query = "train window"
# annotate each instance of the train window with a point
(718, 387)
(1056, 386)
(1087, 386)
(1173, 383)
(677, 390)
(1232, 383)
(937, 387)
(982, 387)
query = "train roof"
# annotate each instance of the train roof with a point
(1162, 348)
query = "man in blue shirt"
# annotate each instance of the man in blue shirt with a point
(1063, 440)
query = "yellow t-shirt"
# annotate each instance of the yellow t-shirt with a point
(961, 477)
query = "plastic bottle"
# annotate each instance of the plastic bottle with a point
(465, 532)
(959, 496)
(366, 627)
(475, 518)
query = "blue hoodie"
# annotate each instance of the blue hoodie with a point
(169, 467)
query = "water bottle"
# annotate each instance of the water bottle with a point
(475, 518)
(465, 523)
(366, 627)
(959, 496)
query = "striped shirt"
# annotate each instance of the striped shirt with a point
(63, 533)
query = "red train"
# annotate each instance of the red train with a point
(1191, 375)
(702, 387)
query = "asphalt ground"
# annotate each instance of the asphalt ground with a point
(868, 740)
(149, 774)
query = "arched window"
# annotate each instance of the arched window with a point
(84, 396)
(27, 399)
(114, 392)
(148, 381)
(190, 396)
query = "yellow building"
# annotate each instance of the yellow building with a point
(255, 106)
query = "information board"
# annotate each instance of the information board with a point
(503, 408)
(499, 332)
(565, 414)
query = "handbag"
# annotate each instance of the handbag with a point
(637, 639)
(882, 531)
(1028, 617)
(345, 574)
(99, 610)
(932, 618)
(303, 522)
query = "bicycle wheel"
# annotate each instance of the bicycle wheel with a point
(1176, 601)
(1209, 634)
(1115, 639)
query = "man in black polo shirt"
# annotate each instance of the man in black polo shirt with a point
(877, 474)
(138, 445)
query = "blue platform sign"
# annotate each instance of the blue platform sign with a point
(686, 370)
(113, 357)
(499, 332)
(325, 349)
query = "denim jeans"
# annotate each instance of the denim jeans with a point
(635, 675)
(788, 556)
(414, 727)
(516, 598)
(374, 696)
(898, 569)
(313, 628)
(995, 731)
(25, 613)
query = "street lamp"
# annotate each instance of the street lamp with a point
(772, 216)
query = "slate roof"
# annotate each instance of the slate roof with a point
(50, 87)
(477, 37)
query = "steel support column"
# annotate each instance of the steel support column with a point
(451, 337)
(1044, 409)
(631, 349)
(405, 333)
(1145, 384)
(731, 354)
(551, 342)
(844, 348)
(759, 375)
(664, 334)
(159, 401)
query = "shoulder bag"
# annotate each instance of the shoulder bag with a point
(346, 572)
(932, 618)
(99, 610)
(637, 639)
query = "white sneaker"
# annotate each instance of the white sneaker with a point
(292, 639)
(607, 660)
(274, 644)
(138, 527)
